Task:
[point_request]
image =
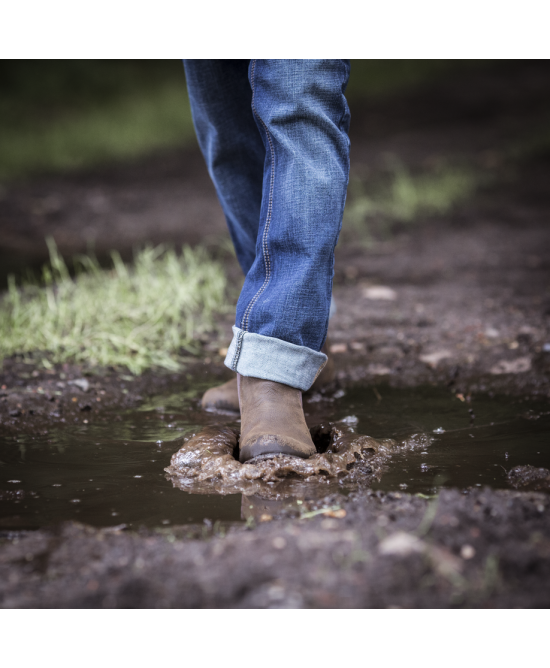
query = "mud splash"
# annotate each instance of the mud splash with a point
(208, 462)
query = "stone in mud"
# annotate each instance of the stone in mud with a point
(81, 383)
(401, 544)
(433, 359)
(380, 292)
(519, 365)
(529, 477)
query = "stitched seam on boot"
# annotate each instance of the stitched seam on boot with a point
(267, 260)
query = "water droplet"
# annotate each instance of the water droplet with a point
(14, 481)
(75, 501)
(439, 430)
(350, 419)
(137, 476)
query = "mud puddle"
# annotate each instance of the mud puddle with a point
(475, 441)
(113, 472)
(107, 473)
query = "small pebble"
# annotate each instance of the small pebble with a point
(467, 552)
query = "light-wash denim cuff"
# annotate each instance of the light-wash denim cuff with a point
(273, 359)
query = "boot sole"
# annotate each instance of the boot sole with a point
(264, 457)
(258, 450)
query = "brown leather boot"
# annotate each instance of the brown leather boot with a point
(226, 397)
(222, 398)
(272, 420)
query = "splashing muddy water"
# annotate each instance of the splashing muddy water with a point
(208, 462)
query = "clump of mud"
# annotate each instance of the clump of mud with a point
(529, 478)
(209, 462)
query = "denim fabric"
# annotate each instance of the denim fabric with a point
(273, 359)
(274, 134)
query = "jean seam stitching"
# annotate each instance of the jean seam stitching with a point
(267, 259)
(238, 347)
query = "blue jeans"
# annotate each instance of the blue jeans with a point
(274, 134)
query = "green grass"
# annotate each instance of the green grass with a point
(118, 129)
(407, 197)
(148, 314)
(65, 115)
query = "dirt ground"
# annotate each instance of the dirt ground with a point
(467, 306)
(484, 549)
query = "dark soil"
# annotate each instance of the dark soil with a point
(471, 312)
(483, 549)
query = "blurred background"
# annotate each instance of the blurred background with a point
(101, 155)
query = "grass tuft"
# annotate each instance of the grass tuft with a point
(136, 316)
(407, 197)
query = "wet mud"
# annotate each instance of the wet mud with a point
(208, 462)
(483, 549)
(166, 462)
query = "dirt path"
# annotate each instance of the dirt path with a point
(461, 301)
(487, 549)
(468, 303)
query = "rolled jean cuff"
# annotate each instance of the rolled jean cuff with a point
(273, 359)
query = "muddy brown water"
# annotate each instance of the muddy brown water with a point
(113, 473)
